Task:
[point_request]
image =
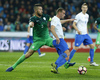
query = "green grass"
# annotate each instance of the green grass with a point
(35, 68)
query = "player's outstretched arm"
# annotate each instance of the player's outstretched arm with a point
(67, 20)
(74, 26)
(54, 33)
(95, 27)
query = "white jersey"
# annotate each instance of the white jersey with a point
(82, 20)
(58, 27)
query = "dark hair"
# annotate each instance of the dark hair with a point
(84, 4)
(59, 10)
(37, 5)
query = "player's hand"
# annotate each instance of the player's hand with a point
(79, 32)
(64, 29)
(31, 24)
(72, 19)
(57, 41)
(98, 30)
(28, 36)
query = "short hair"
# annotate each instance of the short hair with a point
(59, 10)
(37, 5)
(84, 4)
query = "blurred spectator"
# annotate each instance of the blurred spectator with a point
(17, 28)
(1, 25)
(24, 19)
(17, 21)
(98, 4)
(94, 12)
(22, 9)
(71, 7)
(6, 4)
(3, 15)
(1, 7)
(18, 12)
(12, 27)
(5, 21)
(12, 19)
(24, 27)
(7, 27)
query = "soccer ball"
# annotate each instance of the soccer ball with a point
(82, 70)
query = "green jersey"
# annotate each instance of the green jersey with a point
(40, 29)
(98, 36)
(98, 22)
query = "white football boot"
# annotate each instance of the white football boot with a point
(42, 55)
(93, 64)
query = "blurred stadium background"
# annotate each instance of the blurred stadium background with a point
(14, 18)
(15, 14)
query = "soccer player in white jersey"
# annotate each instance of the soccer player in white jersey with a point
(80, 25)
(59, 42)
(29, 41)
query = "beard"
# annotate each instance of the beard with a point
(39, 14)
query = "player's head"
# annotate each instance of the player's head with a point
(84, 7)
(38, 9)
(60, 12)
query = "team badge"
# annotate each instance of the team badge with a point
(44, 18)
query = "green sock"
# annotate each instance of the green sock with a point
(95, 48)
(21, 59)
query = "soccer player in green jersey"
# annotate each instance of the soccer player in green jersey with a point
(97, 27)
(40, 34)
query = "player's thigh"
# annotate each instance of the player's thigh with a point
(49, 42)
(88, 40)
(78, 40)
(62, 46)
(36, 45)
(98, 39)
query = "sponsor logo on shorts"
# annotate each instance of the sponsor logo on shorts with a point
(32, 46)
(76, 43)
(98, 42)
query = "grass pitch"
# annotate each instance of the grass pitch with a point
(35, 68)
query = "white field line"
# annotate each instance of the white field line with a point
(48, 65)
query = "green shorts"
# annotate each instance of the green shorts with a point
(39, 43)
(98, 38)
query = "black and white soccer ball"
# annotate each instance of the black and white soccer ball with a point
(82, 70)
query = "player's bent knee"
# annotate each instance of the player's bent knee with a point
(29, 53)
(92, 46)
(67, 58)
(28, 44)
